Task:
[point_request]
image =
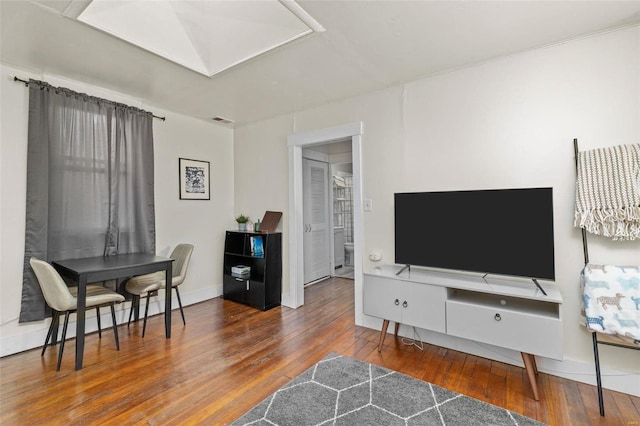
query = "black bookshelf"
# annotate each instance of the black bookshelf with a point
(253, 268)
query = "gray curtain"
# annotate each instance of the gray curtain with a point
(89, 182)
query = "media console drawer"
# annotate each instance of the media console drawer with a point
(529, 326)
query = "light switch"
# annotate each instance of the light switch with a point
(368, 205)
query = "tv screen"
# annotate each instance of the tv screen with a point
(502, 231)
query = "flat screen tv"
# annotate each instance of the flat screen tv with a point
(498, 231)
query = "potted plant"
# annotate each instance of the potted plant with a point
(242, 222)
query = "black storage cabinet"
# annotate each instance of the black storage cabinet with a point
(262, 286)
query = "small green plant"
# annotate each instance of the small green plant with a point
(242, 219)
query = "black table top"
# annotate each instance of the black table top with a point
(101, 263)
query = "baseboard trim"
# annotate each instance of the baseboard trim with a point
(287, 301)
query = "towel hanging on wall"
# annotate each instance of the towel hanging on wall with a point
(611, 300)
(608, 192)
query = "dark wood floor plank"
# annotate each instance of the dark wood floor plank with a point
(560, 406)
(589, 396)
(230, 357)
(497, 385)
(477, 386)
(627, 408)
(575, 403)
(517, 386)
(456, 372)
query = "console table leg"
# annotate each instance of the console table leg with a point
(532, 371)
(383, 334)
(396, 330)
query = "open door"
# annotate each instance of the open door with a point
(315, 183)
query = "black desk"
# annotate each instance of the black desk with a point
(102, 268)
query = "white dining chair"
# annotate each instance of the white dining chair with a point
(149, 284)
(63, 299)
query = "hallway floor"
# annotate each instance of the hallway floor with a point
(344, 272)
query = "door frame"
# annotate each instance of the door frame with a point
(296, 142)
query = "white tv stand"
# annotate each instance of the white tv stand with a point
(510, 314)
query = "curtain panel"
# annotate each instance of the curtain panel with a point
(90, 189)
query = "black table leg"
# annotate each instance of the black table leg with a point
(82, 300)
(167, 300)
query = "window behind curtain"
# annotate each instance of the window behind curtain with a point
(89, 182)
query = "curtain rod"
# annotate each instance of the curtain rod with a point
(26, 83)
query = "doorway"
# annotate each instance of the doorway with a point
(327, 194)
(350, 133)
(342, 203)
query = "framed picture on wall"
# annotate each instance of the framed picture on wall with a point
(194, 179)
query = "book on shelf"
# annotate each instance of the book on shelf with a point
(257, 247)
(240, 270)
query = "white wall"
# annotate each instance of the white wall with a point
(201, 223)
(505, 123)
(262, 183)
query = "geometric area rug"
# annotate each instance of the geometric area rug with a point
(340, 390)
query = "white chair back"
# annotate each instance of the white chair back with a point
(182, 255)
(54, 289)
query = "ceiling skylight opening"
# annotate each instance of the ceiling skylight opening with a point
(205, 36)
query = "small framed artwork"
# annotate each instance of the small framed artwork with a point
(194, 179)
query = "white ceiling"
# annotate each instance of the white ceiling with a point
(197, 34)
(367, 45)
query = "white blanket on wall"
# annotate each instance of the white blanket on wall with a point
(611, 300)
(608, 192)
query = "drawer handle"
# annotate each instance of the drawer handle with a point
(497, 317)
(405, 304)
(397, 302)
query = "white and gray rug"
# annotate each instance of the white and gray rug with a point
(342, 391)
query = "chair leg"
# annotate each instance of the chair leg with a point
(64, 336)
(54, 320)
(598, 376)
(56, 327)
(146, 312)
(180, 304)
(135, 301)
(115, 325)
(99, 325)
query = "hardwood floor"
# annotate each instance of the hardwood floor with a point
(230, 357)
